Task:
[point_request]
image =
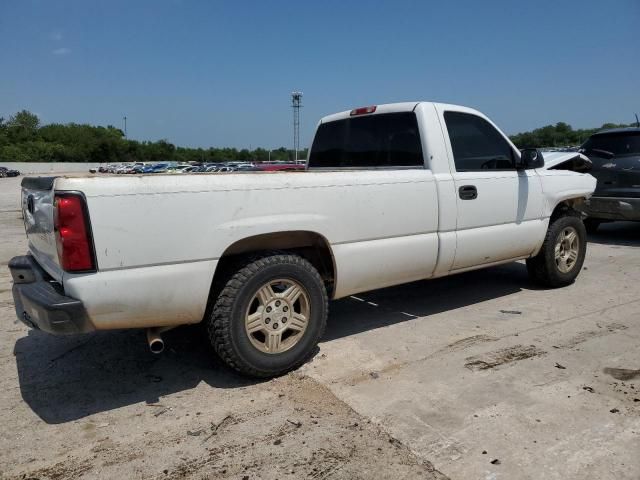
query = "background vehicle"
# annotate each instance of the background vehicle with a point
(274, 167)
(156, 168)
(392, 194)
(247, 168)
(129, 168)
(7, 172)
(615, 155)
(180, 168)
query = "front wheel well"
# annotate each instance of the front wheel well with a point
(567, 207)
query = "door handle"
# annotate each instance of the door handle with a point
(468, 192)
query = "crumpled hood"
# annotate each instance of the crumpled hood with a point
(574, 161)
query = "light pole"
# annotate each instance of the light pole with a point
(296, 103)
(125, 126)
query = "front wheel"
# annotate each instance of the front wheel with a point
(270, 315)
(562, 254)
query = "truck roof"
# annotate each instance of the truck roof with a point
(397, 107)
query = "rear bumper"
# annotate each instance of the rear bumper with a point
(40, 302)
(612, 208)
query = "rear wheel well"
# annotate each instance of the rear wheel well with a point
(309, 245)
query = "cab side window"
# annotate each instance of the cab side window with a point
(476, 144)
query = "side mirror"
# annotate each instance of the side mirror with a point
(530, 158)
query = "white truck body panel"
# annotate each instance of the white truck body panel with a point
(179, 247)
(158, 238)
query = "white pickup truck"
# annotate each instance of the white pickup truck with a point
(391, 194)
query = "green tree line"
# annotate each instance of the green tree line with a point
(24, 139)
(559, 135)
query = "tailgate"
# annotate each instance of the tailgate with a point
(37, 209)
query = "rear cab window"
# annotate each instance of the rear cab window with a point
(385, 140)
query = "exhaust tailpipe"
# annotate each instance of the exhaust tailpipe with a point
(154, 339)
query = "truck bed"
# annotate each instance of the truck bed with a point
(159, 237)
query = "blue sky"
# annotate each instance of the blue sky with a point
(205, 73)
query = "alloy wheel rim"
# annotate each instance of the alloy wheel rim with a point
(567, 249)
(277, 316)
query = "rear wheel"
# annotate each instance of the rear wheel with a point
(562, 254)
(269, 316)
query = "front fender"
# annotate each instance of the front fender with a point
(560, 186)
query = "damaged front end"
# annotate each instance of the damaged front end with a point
(573, 161)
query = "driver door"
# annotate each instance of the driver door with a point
(498, 207)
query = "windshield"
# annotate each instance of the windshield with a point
(622, 143)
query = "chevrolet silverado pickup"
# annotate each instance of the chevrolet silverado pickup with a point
(390, 194)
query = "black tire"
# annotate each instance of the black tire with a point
(591, 224)
(226, 325)
(543, 268)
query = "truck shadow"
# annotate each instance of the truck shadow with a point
(624, 234)
(379, 308)
(67, 378)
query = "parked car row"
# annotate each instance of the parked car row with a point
(172, 167)
(7, 172)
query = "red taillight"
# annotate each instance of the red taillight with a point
(75, 249)
(363, 110)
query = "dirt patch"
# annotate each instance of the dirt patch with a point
(584, 336)
(622, 373)
(468, 342)
(294, 428)
(315, 435)
(502, 356)
(67, 470)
